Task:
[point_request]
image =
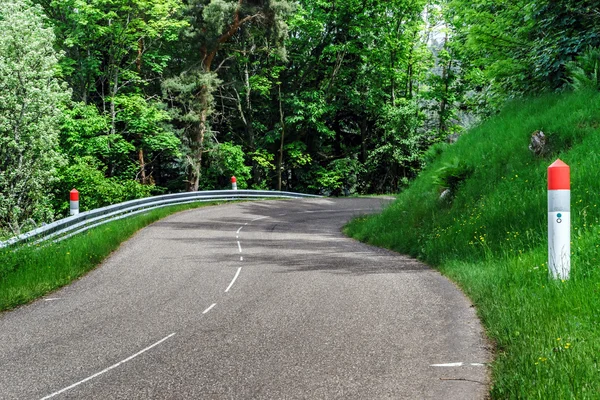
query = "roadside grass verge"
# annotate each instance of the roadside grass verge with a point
(490, 237)
(29, 272)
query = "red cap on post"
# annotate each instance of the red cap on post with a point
(74, 195)
(233, 180)
(559, 176)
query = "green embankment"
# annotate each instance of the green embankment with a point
(29, 272)
(491, 238)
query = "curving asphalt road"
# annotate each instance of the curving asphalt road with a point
(261, 300)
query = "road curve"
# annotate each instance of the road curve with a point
(257, 300)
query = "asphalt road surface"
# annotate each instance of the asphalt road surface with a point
(257, 300)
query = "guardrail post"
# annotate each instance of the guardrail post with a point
(559, 220)
(233, 183)
(74, 202)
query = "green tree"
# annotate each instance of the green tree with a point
(214, 34)
(30, 96)
(520, 46)
(116, 51)
(350, 61)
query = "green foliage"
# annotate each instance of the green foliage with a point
(30, 95)
(226, 160)
(83, 130)
(340, 177)
(297, 155)
(434, 152)
(144, 124)
(492, 240)
(398, 155)
(87, 175)
(522, 46)
(263, 163)
(451, 174)
(584, 72)
(113, 45)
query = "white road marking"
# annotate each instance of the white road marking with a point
(209, 308)
(458, 364)
(234, 278)
(239, 246)
(108, 369)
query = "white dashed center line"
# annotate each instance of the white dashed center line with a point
(209, 308)
(234, 278)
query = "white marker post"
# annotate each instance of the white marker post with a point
(74, 202)
(233, 183)
(559, 220)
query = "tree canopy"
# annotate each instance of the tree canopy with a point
(128, 98)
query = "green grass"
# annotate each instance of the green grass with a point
(29, 272)
(491, 238)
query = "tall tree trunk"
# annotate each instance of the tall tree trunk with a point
(280, 158)
(363, 140)
(444, 101)
(393, 77)
(142, 163)
(113, 94)
(196, 170)
(249, 128)
(410, 68)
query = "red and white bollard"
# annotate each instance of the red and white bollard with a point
(74, 202)
(233, 183)
(559, 220)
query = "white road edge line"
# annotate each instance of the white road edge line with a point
(234, 278)
(209, 308)
(109, 368)
(458, 364)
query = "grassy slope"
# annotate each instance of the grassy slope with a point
(29, 272)
(492, 240)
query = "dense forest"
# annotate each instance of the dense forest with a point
(129, 98)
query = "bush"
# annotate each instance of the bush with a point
(95, 190)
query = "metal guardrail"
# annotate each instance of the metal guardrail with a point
(70, 226)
